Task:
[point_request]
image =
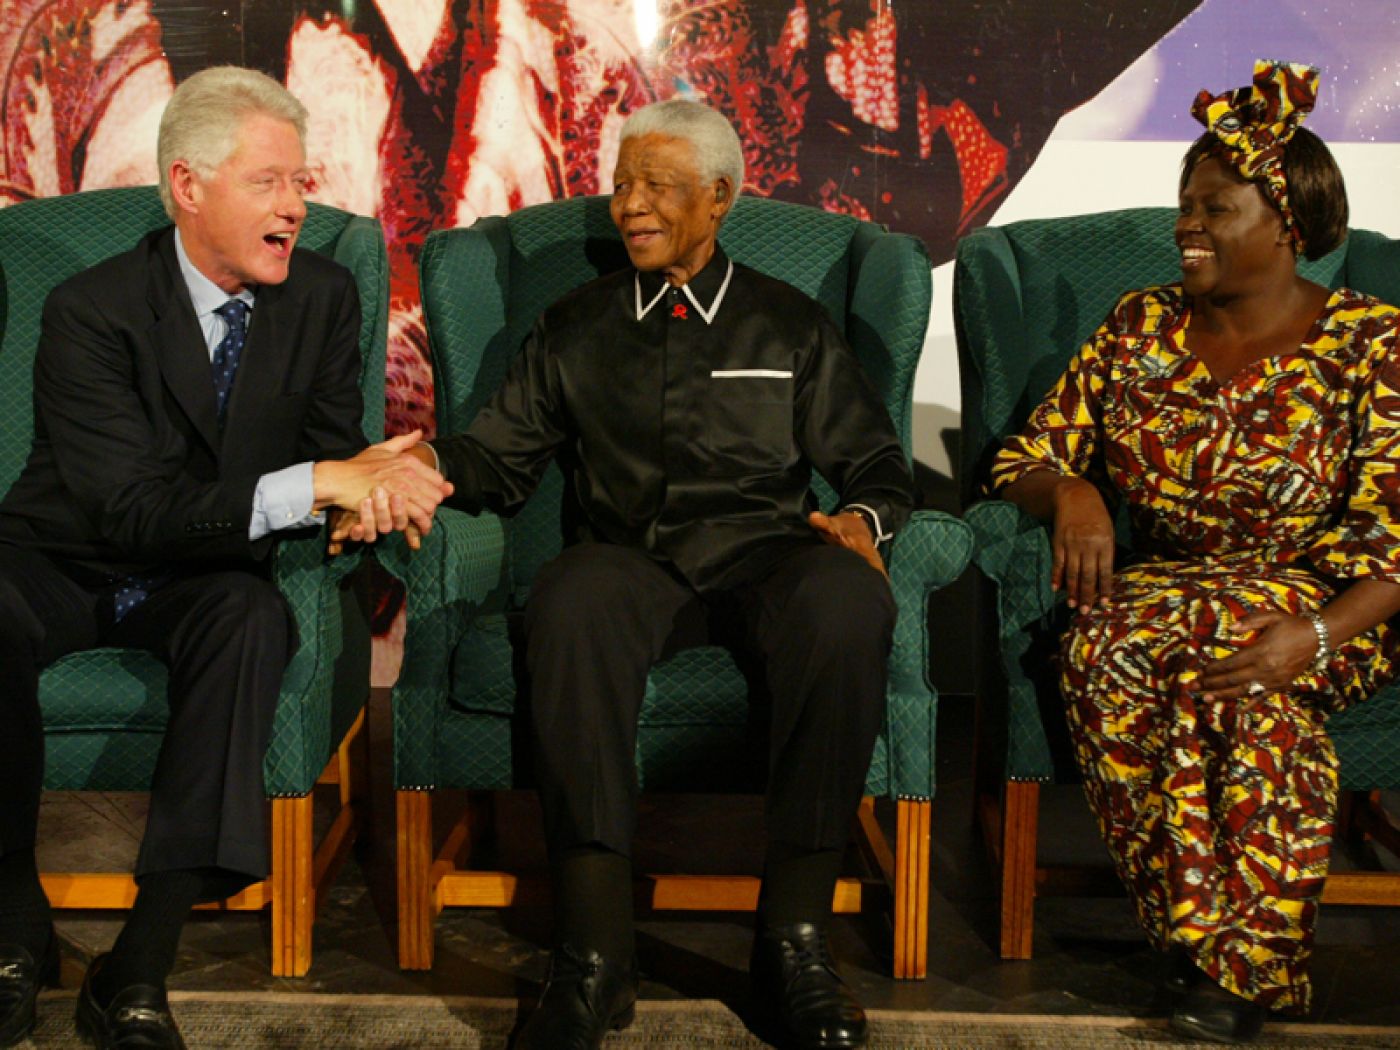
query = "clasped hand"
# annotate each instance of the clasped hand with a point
(385, 488)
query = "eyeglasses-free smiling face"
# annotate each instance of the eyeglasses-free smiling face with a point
(667, 215)
(239, 225)
(1229, 236)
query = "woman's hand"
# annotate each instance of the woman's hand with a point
(1284, 648)
(1082, 543)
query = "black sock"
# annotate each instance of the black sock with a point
(798, 885)
(25, 916)
(145, 949)
(593, 902)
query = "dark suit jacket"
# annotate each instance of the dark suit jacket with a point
(129, 468)
(692, 440)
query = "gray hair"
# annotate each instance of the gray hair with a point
(201, 121)
(718, 152)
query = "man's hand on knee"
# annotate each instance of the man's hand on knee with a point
(848, 529)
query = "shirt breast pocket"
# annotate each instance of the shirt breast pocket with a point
(749, 420)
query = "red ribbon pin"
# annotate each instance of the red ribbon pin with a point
(678, 311)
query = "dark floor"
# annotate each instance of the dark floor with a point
(1089, 957)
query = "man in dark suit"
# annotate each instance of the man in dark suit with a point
(193, 397)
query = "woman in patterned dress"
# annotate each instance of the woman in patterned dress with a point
(1250, 421)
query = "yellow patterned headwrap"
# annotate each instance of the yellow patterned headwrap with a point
(1254, 123)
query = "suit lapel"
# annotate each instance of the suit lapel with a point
(263, 365)
(178, 343)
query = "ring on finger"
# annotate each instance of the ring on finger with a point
(1255, 688)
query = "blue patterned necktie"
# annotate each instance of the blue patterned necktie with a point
(133, 590)
(225, 360)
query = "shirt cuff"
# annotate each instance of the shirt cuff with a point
(873, 517)
(283, 500)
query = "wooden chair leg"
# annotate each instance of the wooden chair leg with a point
(415, 862)
(1020, 816)
(911, 890)
(293, 889)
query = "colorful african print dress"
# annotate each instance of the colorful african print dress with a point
(1271, 490)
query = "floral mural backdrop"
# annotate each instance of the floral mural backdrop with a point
(920, 114)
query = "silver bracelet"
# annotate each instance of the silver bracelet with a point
(1324, 642)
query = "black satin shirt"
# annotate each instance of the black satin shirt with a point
(689, 437)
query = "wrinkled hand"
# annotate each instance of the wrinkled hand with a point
(1082, 544)
(848, 529)
(348, 526)
(384, 488)
(342, 523)
(1284, 647)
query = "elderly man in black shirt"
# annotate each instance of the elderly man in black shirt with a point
(688, 401)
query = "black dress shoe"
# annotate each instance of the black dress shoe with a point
(21, 976)
(1216, 1015)
(585, 997)
(797, 990)
(137, 1018)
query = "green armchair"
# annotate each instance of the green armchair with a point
(454, 703)
(104, 710)
(1026, 296)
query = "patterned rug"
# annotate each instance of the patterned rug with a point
(278, 1021)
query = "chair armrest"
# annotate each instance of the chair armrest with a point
(460, 571)
(1013, 550)
(930, 552)
(302, 727)
(463, 559)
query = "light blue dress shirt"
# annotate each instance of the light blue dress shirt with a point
(282, 499)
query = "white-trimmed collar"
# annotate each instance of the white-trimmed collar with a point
(205, 295)
(708, 315)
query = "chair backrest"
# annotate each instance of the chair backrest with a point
(483, 288)
(44, 242)
(1027, 295)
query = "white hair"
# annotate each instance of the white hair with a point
(201, 121)
(718, 152)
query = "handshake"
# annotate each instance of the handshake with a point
(389, 487)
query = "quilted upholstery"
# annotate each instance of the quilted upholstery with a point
(483, 287)
(104, 710)
(1026, 296)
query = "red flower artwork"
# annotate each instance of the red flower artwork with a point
(918, 116)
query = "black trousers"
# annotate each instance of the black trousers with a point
(818, 626)
(225, 637)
